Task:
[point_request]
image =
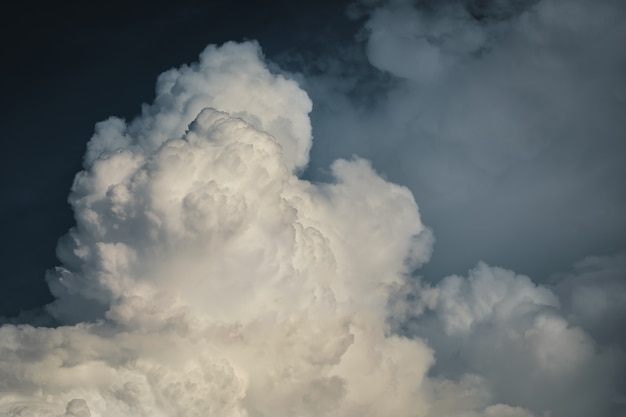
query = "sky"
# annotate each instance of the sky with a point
(372, 208)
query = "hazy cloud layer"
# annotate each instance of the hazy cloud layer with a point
(506, 120)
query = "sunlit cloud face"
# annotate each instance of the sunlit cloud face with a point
(206, 277)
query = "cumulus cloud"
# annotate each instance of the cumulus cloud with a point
(506, 121)
(204, 278)
(520, 338)
(230, 78)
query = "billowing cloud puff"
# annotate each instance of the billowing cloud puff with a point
(517, 336)
(207, 205)
(231, 78)
(204, 278)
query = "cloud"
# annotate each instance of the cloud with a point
(205, 277)
(417, 47)
(520, 338)
(505, 119)
(232, 209)
(594, 295)
(230, 78)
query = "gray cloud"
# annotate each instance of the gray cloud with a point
(524, 339)
(508, 129)
(594, 295)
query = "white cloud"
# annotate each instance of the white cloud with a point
(205, 278)
(231, 78)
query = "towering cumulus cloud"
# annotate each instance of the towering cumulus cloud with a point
(203, 278)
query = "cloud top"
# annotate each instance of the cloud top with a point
(232, 78)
